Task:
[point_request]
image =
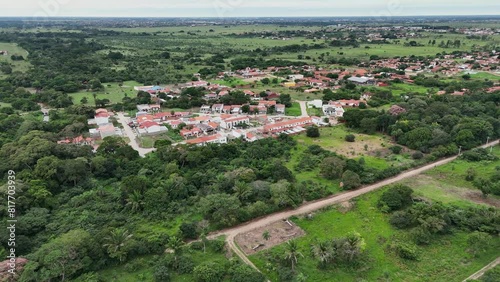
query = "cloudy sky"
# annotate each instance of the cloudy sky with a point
(242, 8)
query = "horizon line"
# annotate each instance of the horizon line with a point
(254, 17)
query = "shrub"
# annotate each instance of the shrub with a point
(417, 156)
(401, 220)
(161, 274)
(471, 174)
(217, 245)
(396, 197)
(396, 149)
(312, 132)
(350, 138)
(406, 251)
(351, 180)
(209, 272)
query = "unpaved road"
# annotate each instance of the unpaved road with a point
(481, 272)
(231, 233)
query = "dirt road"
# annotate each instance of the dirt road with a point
(481, 272)
(231, 233)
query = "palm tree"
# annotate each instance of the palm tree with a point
(135, 202)
(116, 242)
(175, 244)
(292, 253)
(323, 251)
(242, 191)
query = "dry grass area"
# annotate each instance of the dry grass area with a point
(280, 232)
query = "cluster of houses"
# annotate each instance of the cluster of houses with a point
(103, 126)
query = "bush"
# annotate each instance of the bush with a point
(417, 156)
(406, 251)
(401, 220)
(209, 272)
(188, 230)
(351, 180)
(396, 197)
(477, 155)
(217, 245)
(161, 274)
(396, 149)
(350, 138)
(313, 132)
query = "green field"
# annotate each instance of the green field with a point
(112, 91)
(14, 49)
(443, 260)
(294, 110)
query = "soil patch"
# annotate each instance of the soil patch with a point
(280, 232)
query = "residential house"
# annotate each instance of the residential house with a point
(206, 109)
(350, 103)
(217, 108)
(151, 128)
(205, 140)
(315, 104)
(230, 123)
(149, 108)
(283, 126)
(80, 140)
(333, 109)
(280, 109)
(108, 130)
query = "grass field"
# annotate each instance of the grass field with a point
(4, 105)
(443, 260)
(333, 139)
(294, 110)
(112, 91)
(14, 49)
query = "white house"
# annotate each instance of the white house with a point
(333, 109)
(230, 123)
(315, 104)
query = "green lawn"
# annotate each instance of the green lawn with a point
(112, 91)
(443, 260)
(5, 105)
(14, 49)
(294, 110)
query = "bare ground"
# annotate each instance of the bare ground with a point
(279, 232)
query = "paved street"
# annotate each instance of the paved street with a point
(129, 132)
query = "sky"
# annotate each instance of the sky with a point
(242, 8)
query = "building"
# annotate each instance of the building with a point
(283, 126)
(149, 108)
(108, 130)
(80, 140)
(280, 109)
(296, 77)
(315, 104)
(205, 140)
(333, 109)
(217, 108)
(151, 128)
(361, 80)
(232, 122)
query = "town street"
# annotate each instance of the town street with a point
(303, 108)
(131, 135)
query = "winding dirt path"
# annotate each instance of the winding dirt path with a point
(231, 233)
(481, 272)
